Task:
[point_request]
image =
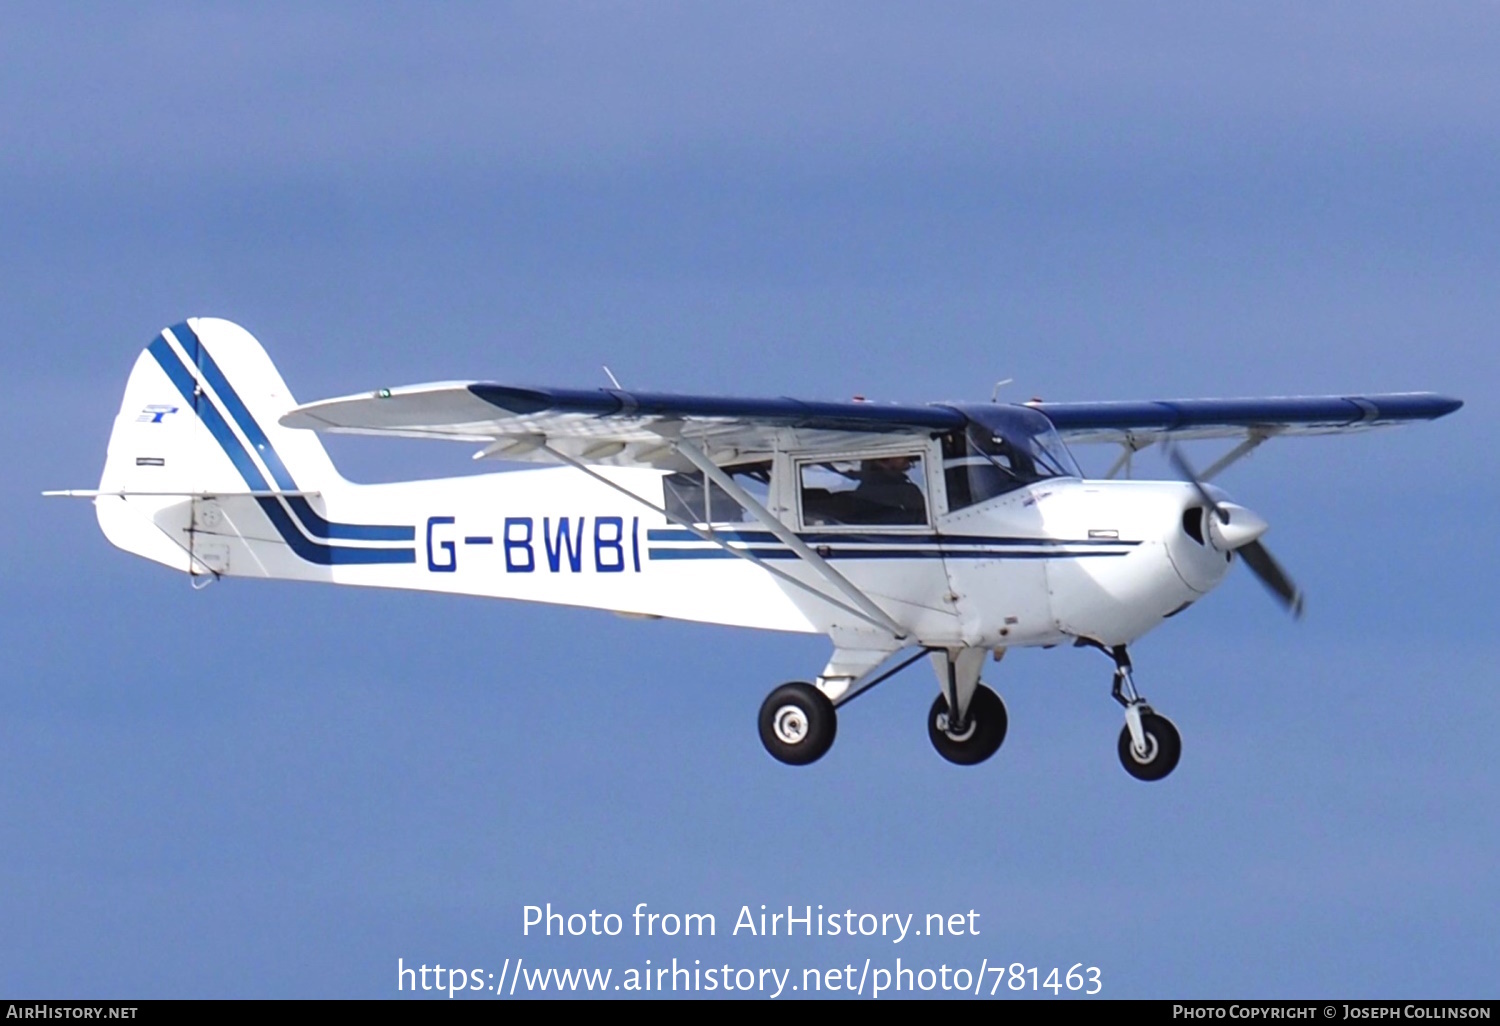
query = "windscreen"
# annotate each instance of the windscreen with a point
(1002, 449)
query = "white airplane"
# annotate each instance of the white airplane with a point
(956, 530)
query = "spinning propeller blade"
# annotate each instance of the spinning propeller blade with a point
(1188, 474)
(1257, 557)
(1262, 565)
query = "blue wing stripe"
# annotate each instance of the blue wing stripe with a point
(1177, 414)
(1164, 415)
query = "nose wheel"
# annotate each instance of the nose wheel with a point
(1149, 743)
(1162, 748)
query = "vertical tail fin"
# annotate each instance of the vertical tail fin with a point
(202, 476)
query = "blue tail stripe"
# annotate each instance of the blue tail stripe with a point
(234, 405)
(209, 414)
(316, 525)
(313, 552)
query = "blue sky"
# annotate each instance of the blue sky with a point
(278, 790)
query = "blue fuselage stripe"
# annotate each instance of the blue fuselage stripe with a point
(861, 538)
(836, 554)
(327, 555)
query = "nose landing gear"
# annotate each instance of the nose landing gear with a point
(1149, 743)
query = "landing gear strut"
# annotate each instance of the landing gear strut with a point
(967, 722)
(1149, 744)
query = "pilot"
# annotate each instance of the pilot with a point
(887, 495)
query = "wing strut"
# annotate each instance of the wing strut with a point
(710, 536)
(1131, 445)
(1250, 444)
(872, 611)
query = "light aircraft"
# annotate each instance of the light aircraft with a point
(955, 530)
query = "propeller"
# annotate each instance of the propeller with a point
(1233, 528)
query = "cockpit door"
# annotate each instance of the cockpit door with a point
(870, 514)
(995, 474)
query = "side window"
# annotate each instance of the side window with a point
(692, 498)
(864, 492)
(684, 497)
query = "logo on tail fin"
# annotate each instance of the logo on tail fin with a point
(154, 413)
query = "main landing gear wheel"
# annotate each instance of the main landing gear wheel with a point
(797, 724)
(982, 734)
(1163, 748)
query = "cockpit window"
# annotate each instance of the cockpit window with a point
(877, 490)
(1002, 449)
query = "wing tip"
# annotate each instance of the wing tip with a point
(1411, 405)
(1447, 404)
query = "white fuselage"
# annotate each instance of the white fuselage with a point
(202, 476)
(1060, 559)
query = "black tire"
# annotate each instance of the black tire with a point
(984, 733)
(797, 724)
(1163, 742)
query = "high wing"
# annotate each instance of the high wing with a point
(614, 427)
(620, 428)
(1138, 424)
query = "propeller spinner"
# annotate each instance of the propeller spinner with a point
(1233, 528)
